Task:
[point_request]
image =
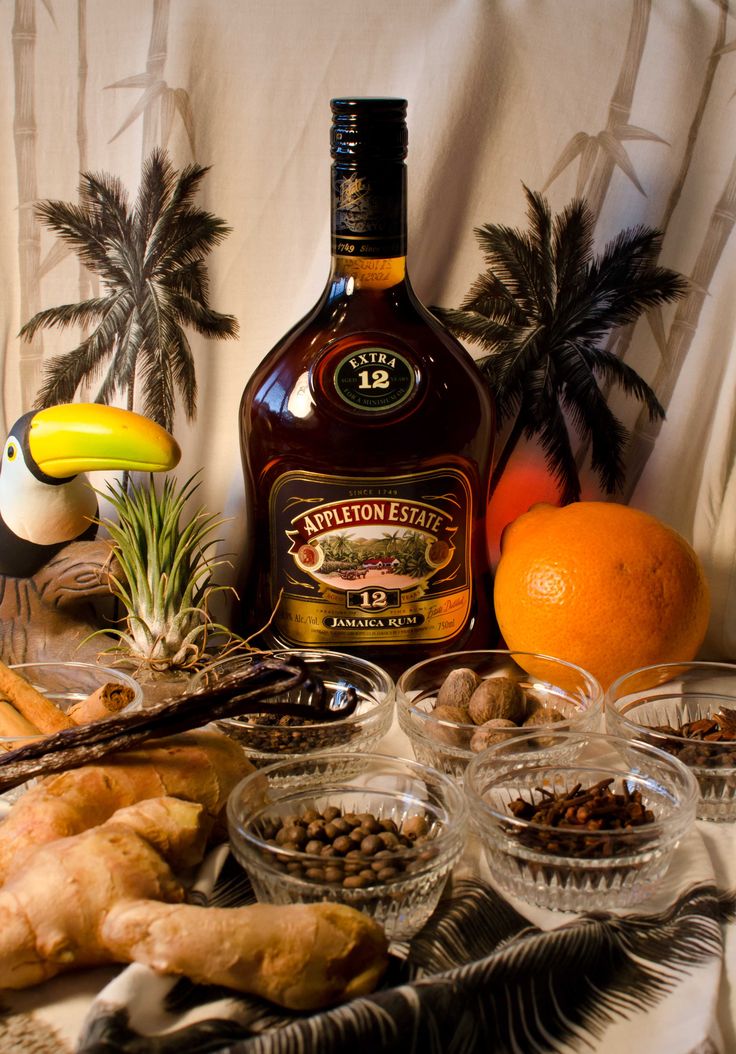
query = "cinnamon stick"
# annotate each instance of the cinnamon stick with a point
(13, 724)
(29, 702)
(110, 698)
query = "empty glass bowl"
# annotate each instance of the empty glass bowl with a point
(266, 737)
(576, 821)
(377, 833)
(689, 710)
(540, 691)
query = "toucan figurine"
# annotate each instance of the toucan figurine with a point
(45, 500)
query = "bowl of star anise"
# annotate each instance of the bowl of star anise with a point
(687, 709)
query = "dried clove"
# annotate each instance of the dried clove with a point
(569, 823)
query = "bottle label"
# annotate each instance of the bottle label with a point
(368, 215)
(374, 379)
(370, 561)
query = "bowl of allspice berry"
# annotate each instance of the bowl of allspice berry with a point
(453, 706)
(687, 709)
(378, 833)
(578, 821)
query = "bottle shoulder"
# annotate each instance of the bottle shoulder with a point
(394, 319)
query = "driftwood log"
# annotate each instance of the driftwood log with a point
(52, 615)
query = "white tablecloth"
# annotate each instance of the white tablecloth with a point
(679, 934)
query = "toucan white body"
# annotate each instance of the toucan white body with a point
(46, 501)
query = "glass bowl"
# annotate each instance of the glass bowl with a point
(557, 845)
(66, 684)
(402, 827)
(552, 689)
(672, 706)
(267, 738)
(69, 683)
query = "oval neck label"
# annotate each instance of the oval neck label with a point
(374, 379)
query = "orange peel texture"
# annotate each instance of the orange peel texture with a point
(602, 585)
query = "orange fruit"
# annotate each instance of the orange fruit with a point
(602, 585)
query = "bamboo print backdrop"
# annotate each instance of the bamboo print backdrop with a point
(628, 102)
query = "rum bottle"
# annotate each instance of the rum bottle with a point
(366, 440)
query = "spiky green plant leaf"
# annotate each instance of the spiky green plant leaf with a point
(167, 566)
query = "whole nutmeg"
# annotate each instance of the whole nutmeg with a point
(493, 731)
(544, 715)
(456, 737)
(457, 688)
(497, 697)
(533, 703)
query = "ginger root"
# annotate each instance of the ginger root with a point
(109, 894)
(52, 909)
(301, 956)
(196, 766)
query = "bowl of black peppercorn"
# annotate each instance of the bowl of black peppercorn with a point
(359, 698)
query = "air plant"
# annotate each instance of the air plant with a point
(166, 582)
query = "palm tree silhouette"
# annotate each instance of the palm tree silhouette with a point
(541, 311)
(150, 259)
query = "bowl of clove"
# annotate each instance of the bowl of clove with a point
(689, 710)
(355, 714)
(453, 706)
(575, 821)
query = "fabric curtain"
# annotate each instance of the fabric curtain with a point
(627, 102)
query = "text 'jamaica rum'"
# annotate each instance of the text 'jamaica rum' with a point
(366, 438)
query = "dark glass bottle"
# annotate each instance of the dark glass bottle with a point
(366, 437)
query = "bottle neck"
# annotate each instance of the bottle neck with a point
(369, 224)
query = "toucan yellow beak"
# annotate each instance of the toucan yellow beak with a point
(71, 438)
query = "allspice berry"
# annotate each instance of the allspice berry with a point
(492, 731)
(457, 688)
(497, 697)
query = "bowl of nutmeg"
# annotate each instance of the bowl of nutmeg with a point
(453, 706)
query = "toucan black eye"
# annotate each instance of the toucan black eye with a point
(10, 451)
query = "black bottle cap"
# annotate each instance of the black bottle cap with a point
(369, 128)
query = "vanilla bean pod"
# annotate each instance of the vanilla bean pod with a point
(237, 695)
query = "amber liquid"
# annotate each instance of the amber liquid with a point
(293, 421)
